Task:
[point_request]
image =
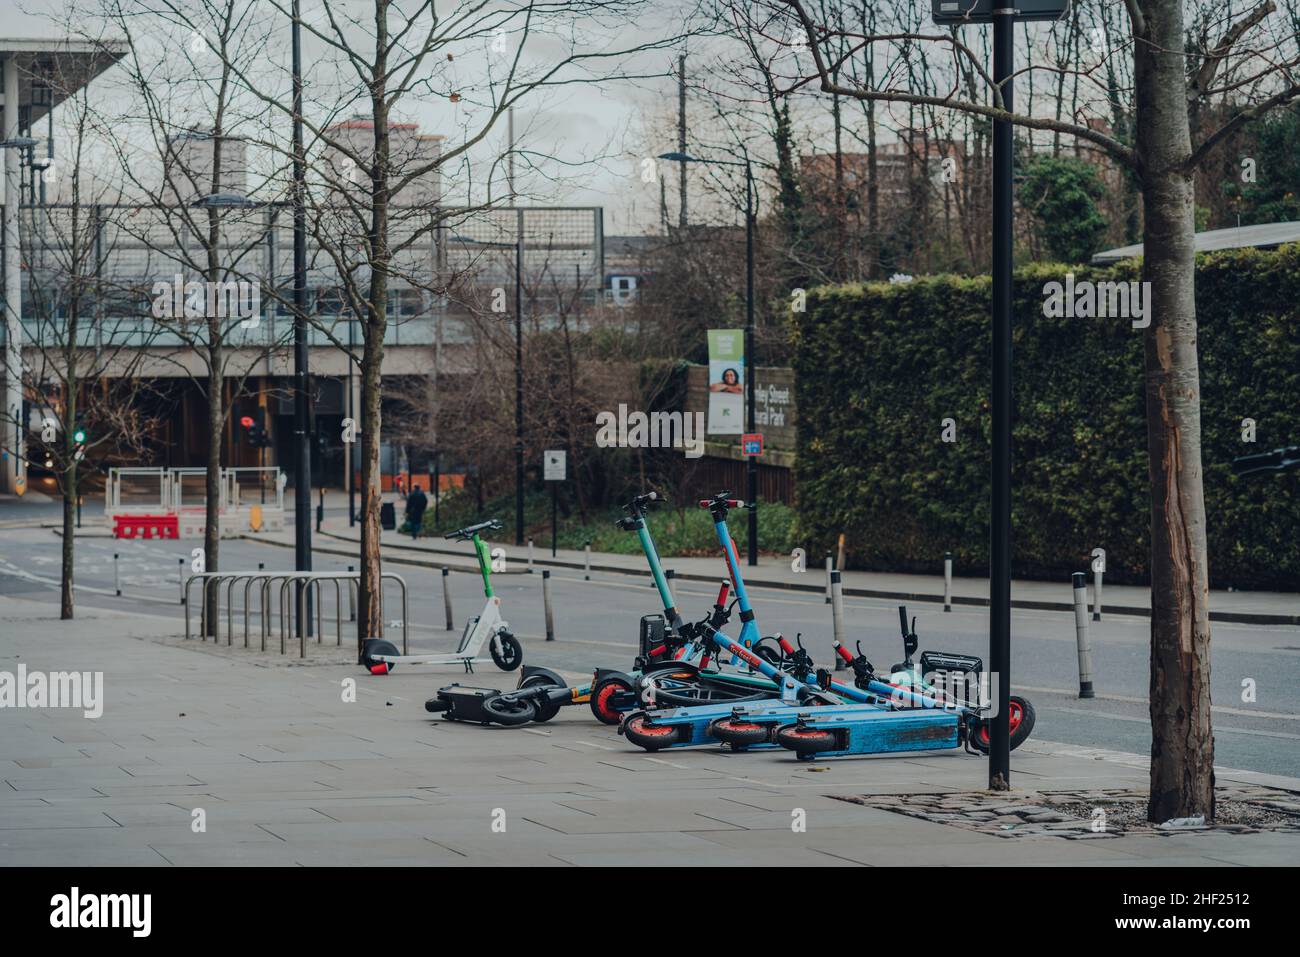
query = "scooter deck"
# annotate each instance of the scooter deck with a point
(883, 732)
(693, 723)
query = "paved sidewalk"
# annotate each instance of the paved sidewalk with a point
(1254, 607)
(287, 772)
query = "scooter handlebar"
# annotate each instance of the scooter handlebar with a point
(843, 652)
(724, 592)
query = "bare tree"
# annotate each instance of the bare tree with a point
(81, 353)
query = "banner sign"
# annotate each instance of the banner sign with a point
(726, 382)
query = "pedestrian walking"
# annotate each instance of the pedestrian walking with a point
(416, 503)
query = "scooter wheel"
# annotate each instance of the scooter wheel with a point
(738, 732)
(377, 646)
(545, 710)
(806, 741)
(509, 711)
(436, 705)
(604, 698)
(1020, 718)
(652, 737)
(511, 655)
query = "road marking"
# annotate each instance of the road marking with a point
(1147, 721)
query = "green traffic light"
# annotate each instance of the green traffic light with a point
(79, 436)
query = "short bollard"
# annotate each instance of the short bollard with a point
(1081, 633)
(837, 616)
(446, 596)
(947, 581)
(180, 576)
(546, 601)
(530, 556)
(1096, 594)
(830, 567)
(586, 561)
(352, 599)
(117, 582)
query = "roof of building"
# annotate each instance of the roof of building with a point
(1265, 236)
(64, 64)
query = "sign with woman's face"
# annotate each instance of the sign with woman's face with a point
(726, 381)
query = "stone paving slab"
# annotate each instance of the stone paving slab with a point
(288, 773)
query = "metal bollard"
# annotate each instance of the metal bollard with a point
(352, 598)
(546, 602)
(180, 575)
(947, 581)
(1096, 594)
(839, 553)
(530, 556)
(117, 582)
(830, 567)
(586, 573)
(837, 616)
(1081, 634)
(446, 596)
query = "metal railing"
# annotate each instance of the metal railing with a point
(214, 582)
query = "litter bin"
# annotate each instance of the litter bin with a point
(388, 516)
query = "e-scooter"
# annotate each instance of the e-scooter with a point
(379, 657)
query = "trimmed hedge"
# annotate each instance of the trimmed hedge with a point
(879, 366)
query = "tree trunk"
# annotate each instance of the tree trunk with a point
(369, 610)
(212, 485)
(1182, 742)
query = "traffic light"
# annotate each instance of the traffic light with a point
(79, 436)
(257, 437)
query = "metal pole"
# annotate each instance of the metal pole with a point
(947, 581)
(837, 616)
(352, 510)
(180, 575)
(751, 461)
(117, 582)
(530, 556)
(586, 561)
(830, 568)
(1000, 512)
(546, 601)
(519, 377)
(352, 598)
(1096, 594)
(446, 596)
(320, 513)
(1081, 634)
(554, 497)
(302, 480)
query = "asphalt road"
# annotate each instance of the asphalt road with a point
(596, 625)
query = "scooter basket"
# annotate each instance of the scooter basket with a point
(958, 675)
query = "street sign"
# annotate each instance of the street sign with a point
(751, 443)
(554, 465)
(951, 12)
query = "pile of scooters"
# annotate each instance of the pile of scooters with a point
(691, 684)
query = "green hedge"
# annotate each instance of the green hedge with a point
(880, 366)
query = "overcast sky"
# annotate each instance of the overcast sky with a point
(587, 139)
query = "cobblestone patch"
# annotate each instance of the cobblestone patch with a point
(1090, 814)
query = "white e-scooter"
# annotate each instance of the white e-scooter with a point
(380, 656)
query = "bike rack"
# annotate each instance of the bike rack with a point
(264, 581)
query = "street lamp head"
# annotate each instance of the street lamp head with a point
(224, 201)
(18, 143)
(680, 157)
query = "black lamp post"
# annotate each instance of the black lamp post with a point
(751, 461)
(302, 478)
